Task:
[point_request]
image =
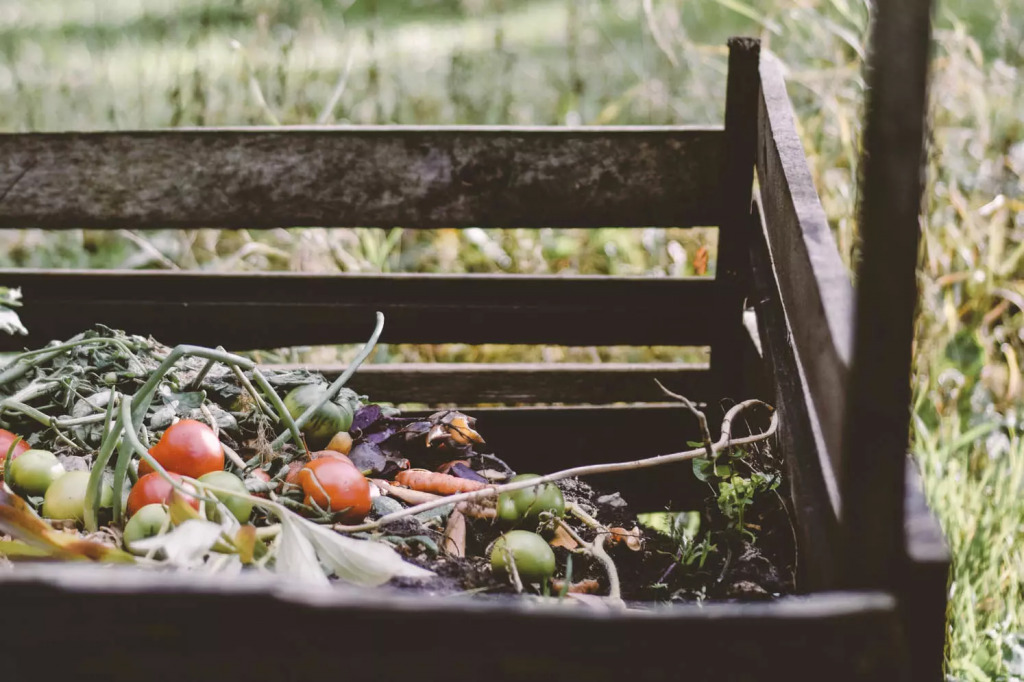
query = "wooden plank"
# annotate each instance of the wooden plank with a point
(878, 402)
(267, 310)
(362, 176)
(737, 186)
(809, 475)
(815, 286)
(130, 623)
(571, 383)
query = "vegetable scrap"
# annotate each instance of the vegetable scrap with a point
(118, 449)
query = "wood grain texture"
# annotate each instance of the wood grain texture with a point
(737, 182)
(816, 291)
(362, 176)
(267, 310)
(878, 404)
(571, 383)
(134, 625)
(809, 475)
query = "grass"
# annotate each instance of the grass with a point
(104, 64)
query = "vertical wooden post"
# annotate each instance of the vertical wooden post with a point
(741, 95)
(878, 401)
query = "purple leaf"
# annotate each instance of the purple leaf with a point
(462, 471)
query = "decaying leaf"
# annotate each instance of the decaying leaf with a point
(19, 521)
(454, 541)
(296, 557)
(185, 545)
(633, 539)
(361, 562)
(563, 539)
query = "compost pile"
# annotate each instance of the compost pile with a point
(116, 448)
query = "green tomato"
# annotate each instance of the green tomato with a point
(322, 424)
(34, 471)
(239, 507)
(535, 561)
(65, 498)
(146, 523)
(528, 504)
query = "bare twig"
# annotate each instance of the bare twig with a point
(697, 413)
(725, 441)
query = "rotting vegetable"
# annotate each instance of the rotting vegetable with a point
(220, 465)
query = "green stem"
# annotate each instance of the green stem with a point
(121, 469)
(257, 398)
(94, 490)
(333, 389)
(282, 411)
(202, 375)
(7, 462)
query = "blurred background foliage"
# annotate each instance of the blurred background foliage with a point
(122, 64)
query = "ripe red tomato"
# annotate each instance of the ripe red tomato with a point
(155, 489)
(345, 487)
(189, 448)
(6, 438)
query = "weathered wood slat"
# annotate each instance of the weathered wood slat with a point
(267, 310)
(809, 476)
(132, 622)
(571, 383)
(362, 176)
(816, 291)
(737, 182)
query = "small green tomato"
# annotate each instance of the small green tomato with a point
(65, 498)
(34, 471)
(239, 507)
(535, 562)
(528, 504)
(146, 523)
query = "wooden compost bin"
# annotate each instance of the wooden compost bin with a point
(872, 568)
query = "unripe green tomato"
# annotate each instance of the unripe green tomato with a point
(530, 503)
(34, 471)
(535, 561)
(322, 424)
(239, 507)
(146, 523)
(65, 498)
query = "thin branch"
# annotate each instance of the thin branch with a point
(705, 432)
(725, 441)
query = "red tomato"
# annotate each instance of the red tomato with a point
(155, 489)
(345, 487)
(6, 438)
(189, 448)
(331, 453)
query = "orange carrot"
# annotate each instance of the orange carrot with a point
(441, 484)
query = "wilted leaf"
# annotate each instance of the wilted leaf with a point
(360, 562)
(15, 549)
(186, 544)
(18, 520)
(368, 458)
(454, 541)
(296, 557)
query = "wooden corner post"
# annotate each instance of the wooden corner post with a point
(878, 399)
(740, 149)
